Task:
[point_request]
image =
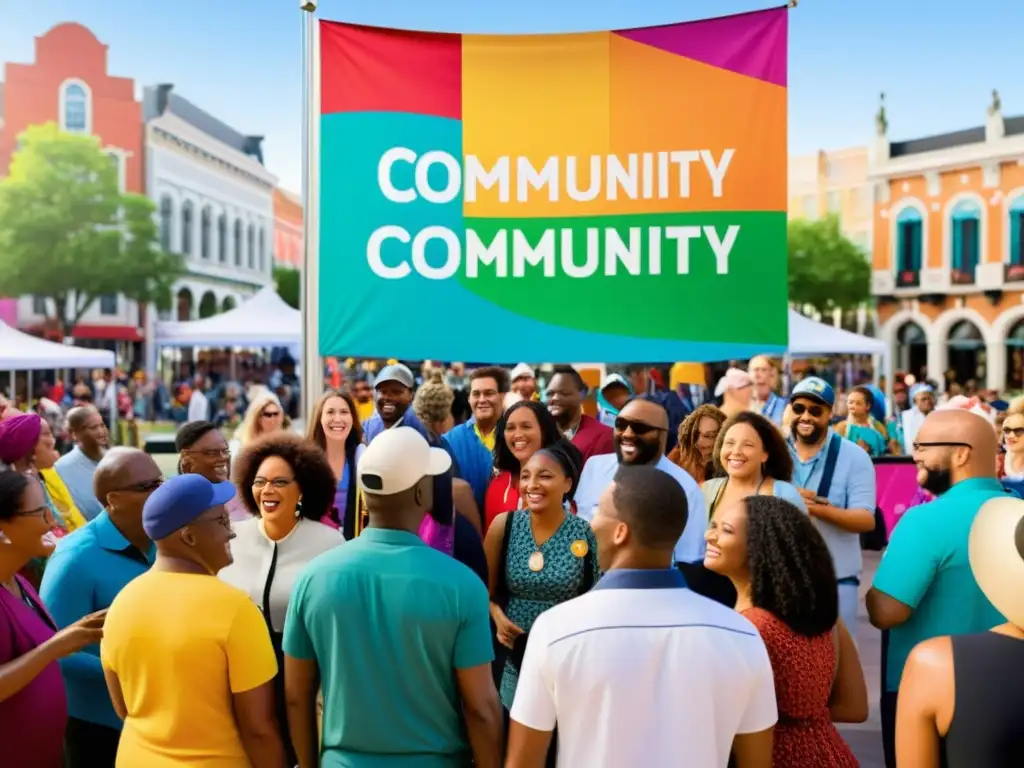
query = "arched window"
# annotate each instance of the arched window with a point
(166, 219)
(909, 232)
(1017, 230)
(252, 247)
(238, 242)
(911, 333)
(966, 227)
(965, 335)
(75, 109)
(222, 239)
(207, 305)
(263, 250)
(186, 228)
(228, 304)
(206, 232)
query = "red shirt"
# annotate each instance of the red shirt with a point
(502, 496)
(593, 438)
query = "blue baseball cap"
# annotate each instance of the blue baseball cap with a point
(179, 501)
(815, 389)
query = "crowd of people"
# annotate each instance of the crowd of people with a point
(529, 586)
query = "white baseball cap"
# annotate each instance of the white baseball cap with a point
(397, 459)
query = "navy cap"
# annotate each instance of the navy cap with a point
(179, 501)
(816, 389)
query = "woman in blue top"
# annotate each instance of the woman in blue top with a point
(752, 459)
(860, 426)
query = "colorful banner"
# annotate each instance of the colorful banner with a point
(616, 196)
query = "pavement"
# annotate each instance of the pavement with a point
(865, 739)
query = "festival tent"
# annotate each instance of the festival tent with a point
(22, 352)
(809, 338)
(265, 320)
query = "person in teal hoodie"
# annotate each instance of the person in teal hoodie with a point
(614, 393)
(473, 442)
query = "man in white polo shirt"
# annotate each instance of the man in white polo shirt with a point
(640, 671)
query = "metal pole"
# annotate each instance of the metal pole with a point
(312, 366)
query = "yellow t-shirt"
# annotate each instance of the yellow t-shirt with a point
(364, 411)
(488, 439)
(181, 645)
(73, 519)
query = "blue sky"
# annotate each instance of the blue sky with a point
(937, 60)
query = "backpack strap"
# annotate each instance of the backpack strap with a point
(501, 587)
(831, 457)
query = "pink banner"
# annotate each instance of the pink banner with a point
(896, 484)
(9, 312)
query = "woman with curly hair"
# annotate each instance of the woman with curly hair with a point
(751, 458)
(335, 429)
(287, 486)
(697, 435)
(786, 586)
(523, 429)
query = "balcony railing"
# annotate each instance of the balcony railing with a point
(908, 278)
(1013, 273)
(962, 276)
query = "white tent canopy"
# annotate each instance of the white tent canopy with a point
(22, 352)
(265, 320)
(809, 338)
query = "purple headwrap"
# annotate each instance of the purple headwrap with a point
(18, 436)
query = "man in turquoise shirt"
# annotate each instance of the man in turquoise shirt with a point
(86, 572)
(924, 586)
(397, 633)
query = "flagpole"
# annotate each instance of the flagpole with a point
(312, 380)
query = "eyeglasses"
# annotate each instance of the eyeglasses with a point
(639, 428)
(941, 444)
(1015, 431)
(42, 511)
(147, 486)
(277, 482)
(270, 414)
(211, 453)
(816, 411)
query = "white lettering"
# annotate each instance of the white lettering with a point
(453, 257)
(654, 247)
(477, 253)
(722, 248)
(572, 187)
(451, 165)
(569, 264)
(388, 159)
(621, 176)
(684, 160)
(523, 253)
(682, 236)
(373, 255)
(616, 250)
(528, 177)
(717, 170)
(478, 176)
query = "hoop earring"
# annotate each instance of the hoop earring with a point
(298, 509)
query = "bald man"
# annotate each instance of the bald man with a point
(77, 468)
(641, 434)
(766, 402)
(924, 587)
(86, 572)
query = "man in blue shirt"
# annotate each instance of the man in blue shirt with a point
(76, 468)
(86, 572)
(397, 633)
(846, 507)
(924, 586)
(473, 441)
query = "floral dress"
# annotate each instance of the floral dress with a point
(530, 592)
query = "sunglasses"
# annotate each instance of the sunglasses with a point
(1015, 431)
(816, 411)
(639, 428)
(147, 486)
(270, 414)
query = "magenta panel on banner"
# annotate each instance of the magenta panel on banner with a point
(896, 484)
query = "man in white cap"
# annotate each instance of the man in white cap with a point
(524, 382)
(736, 388)
(415, 661)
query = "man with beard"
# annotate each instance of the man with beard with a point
(641, 433)
(565, 394)
(924, 586)
(837, 480)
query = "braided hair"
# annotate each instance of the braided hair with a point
(791, 571)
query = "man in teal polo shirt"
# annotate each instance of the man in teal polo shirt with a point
(924, 586)
(397, 633)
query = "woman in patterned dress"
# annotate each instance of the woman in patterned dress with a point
(783, 574)
(539, 556)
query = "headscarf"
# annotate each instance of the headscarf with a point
(18, 436)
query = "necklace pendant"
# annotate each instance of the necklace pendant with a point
(536, 562)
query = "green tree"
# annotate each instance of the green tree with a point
(68, 234)
(288, 282)
(826, 270)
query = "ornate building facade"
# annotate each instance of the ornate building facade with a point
(948, 256)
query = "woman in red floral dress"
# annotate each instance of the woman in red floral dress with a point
(786, 584)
